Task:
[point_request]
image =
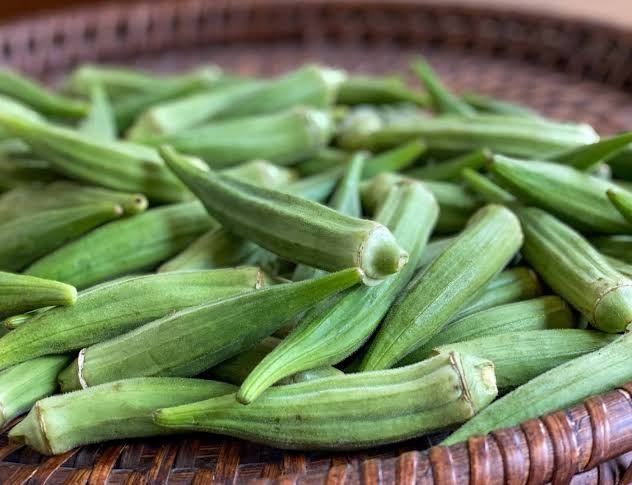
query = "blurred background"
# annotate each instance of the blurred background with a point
(617, 12)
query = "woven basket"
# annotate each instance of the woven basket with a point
(566, 68)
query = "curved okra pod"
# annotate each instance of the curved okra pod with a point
(577, 198)
(21, 293)
(125, 246)
(334, 330)
(622, 201)
(25, 239)
(100, 120)
(559, 388)
(376, 90)
(332, 413)
(114, 308)
(450, 170)
(576, 271)
(393, 160)
(523, 355)
(444, 287)
(24, 384)
(292, 227)
(236, 324)
(488, 104)
(588, 157)
(282, 138)
(60, 423)
(21, 201)
(116, 165)
(542, 313)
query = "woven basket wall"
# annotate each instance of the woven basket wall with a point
(567, 69)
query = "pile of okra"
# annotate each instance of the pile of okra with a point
(319, 260)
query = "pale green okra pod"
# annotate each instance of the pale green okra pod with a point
(100, 121)
(22, 293)
(488, 104)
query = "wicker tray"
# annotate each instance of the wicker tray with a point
(568, 69)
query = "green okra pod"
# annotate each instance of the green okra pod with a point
(332, 413)
(621, 163)
(523, 355)
(486, 189)
(46, 102)
(10, 105)
(21, 201)
(376, 90)
(619, 246)
(315, 187)
(488, 104)
(100, 121)
(332, 331)
(282, 138)
(14, 321)
(25, 239)
(21, 293)
(111, 411)
(444, 287)
(450, 170)
(26, 383)
(262, 173)
(622, 201)
(236, 324)
(577, 198)
(559, 388)
(621, 266)
(542, 313)
(292, 227)
(125, 246)
(114, 308)
(393, 160)
(116, 165)
(324, 160)
(587, 157)
(434, 249)
(442, 100)
(576, 271)
(25, 172)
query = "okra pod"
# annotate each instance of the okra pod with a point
(622, 201)
(331, 413)
(450, 170)
(324, 160)
(442, 100)
(575, 270)
(46, 102)
(444, 287)
(316, 187)
(26, 383)
(521, 356)
(332, 331)
(375, 90)
(236, 324)
(25, 239)
(262, 173)
(434, 249)
(22, 172)
(282, 138)
(295, 228)
(100, 121)
(542, 313)
(622, 267)
(116, 165)
(619, 246)
(589, 156)
(559, 388)
(21, 293)
(125, 246)
(10, 105)
(111, 411)
(575, 197)
(393, 160)
(21, 201)
(488, 104)
(113, 308)
(486, 189)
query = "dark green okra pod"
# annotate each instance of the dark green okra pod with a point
(576, 271)
(334, 330)
(125, 246)
(588, 157)
(111, 411)
(24, 384)
(290, 226)
(488, 104)
(24, 172)
(236, 324)
(332, 413)
(619, 247)
(622, 201)
(559, 388)
(324, 160)
(450, 170)
(25, 239)
(21, 293)
(116, 307)
(444, 287)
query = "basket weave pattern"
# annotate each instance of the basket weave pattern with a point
(567, 69)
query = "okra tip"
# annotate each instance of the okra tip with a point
(380, 255)
(613, 310)
(175, 161)
(31, 432)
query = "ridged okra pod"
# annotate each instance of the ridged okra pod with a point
(576, 271)
(291, 227)
(444, 287)
(622, 201)
(559, 388)
(19, 172)
(332, 413)
(282, 138)
(486, 189)
(125, 246)
(333, 330)
(21, 293)
(111, 411)
(25, 239)
(21, 201)
(24, 384)
(450, 170)
(317, 187)
(588, 157)
(117, 165)
(520, 356)
(542, 313)
(181, 339)
(488, 104)
(100, 121)
(577, 198)
(116, 307)
(375, 90)
(619, 246)
(393, 160)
